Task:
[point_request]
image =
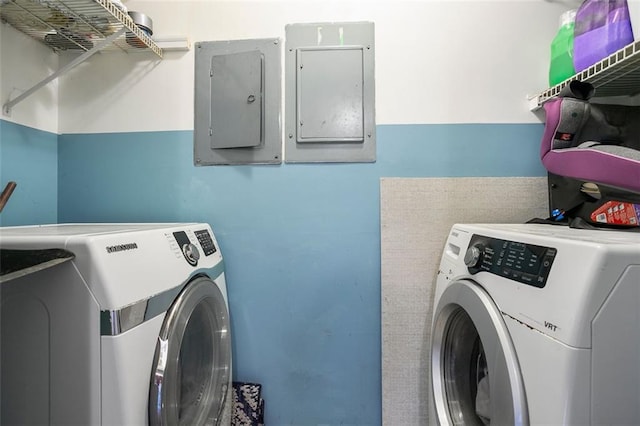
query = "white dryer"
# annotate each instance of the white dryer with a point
(134, 330)
(536, 324)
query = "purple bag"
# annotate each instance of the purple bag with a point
(602, 27)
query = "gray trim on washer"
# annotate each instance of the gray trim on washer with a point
(509, 404)
(117, 321)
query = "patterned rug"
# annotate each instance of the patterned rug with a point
(248, 406)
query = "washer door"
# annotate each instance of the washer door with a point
(475, 375)
(192, 362)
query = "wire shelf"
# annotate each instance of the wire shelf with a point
(615, 75)
(76, 25)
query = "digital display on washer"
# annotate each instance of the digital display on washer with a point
(525, 263)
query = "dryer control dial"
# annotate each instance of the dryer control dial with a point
(473, 255)
(191, 253)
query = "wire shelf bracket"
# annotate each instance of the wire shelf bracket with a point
(6, 108)
(87, 26)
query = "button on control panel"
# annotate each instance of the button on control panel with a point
(206, 242)
(525, 263)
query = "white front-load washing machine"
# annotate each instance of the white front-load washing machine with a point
(536, 324)
(133, 330)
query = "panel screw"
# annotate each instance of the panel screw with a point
(275, 42)
(290, 135)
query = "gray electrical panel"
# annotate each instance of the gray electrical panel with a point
(237, 102)
(330, 93)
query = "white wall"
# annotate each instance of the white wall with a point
(436, 61)
(414, 46)
(23, 63)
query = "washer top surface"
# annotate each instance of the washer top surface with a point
(560, 232)
(123, 263)
(81, 229)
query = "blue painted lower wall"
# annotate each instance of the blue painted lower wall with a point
(301, 241)
(29, 157)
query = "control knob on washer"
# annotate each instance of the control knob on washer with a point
(191, 253)
(473, 255)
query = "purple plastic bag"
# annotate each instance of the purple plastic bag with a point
(602, 28)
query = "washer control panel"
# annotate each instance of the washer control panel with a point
(184, 244)
(525, 263)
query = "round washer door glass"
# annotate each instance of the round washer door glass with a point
(192, 363)
(475, 375)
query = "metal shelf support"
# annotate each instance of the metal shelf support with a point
(77, 61)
